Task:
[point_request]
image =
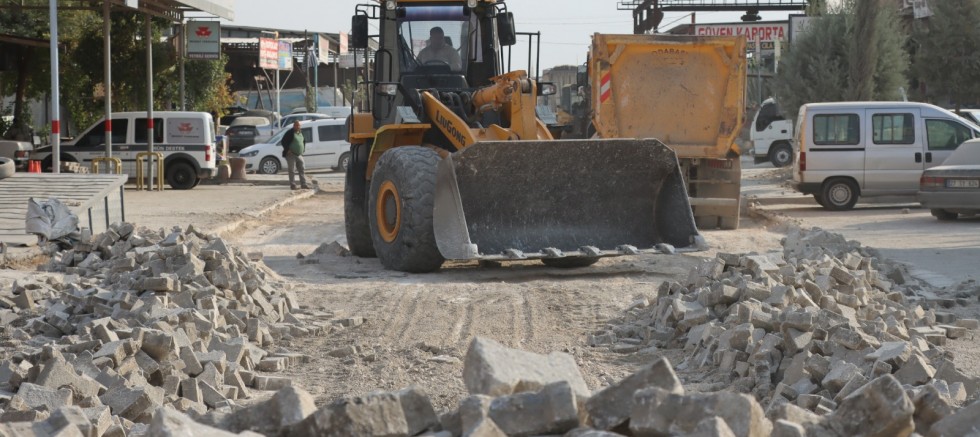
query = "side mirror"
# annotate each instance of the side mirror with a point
(505, 29)
(547, 89)
(359, 32)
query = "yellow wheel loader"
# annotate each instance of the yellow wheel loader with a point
(449, 162)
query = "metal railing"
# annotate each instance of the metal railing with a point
(141, 158)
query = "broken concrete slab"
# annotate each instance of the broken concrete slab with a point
(492, 369)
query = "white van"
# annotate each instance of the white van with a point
(848, 150)
(772, 135)
(186, 140)
(326, 148)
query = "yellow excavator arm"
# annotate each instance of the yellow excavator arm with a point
(512, 94)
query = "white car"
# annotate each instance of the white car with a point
(326, 148)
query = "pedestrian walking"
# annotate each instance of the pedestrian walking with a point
(293, 147)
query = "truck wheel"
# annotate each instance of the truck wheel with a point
(781, 155)
(839, 194)
(944, 215)
(400, 210)
(181, 175)
(355, 211)
(570, 262)
(819, 198)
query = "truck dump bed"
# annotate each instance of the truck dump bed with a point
(685, 91)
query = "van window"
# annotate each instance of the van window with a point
(139, 135)
(946, 134)
(307, 134)
(836, 129)
(333, 132)
(96, 136)
(893, 128)
(187, 131)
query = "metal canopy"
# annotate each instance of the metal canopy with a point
(718, 5)
(172, 10)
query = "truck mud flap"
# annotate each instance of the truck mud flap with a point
(566, 198)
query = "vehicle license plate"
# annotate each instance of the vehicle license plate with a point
(963, 183)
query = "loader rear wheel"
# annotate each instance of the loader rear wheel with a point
(570, 262)
(400, 210)
(356, 210)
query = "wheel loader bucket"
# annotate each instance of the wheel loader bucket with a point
(567, 198)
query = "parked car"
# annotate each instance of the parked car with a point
(848, 150)
(17, 151)
(953, 188)
(326, 148)
(247, 130)
(186, 140)
(303, 116)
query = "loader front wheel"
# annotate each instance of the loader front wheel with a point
(571, 262)
(400, 210)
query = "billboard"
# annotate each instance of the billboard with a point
(285, 55)
(268, 53)
(763, 31)
(322, 49)
(203, 40)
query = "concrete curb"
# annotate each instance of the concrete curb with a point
(234, 225)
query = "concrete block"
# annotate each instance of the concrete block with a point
(160, 284)
(36, 396)
(171, 423)
(712, 427)
(136, 403)
(657, 412)
(785, 428)
(376, 415)
(262, 382)
(611, 406)
(948, 372)
(879, 409)
(492, 369)
(964, 422)
(192, 366)
(190, 390)
(895, 353)
(930, 407)
(210, 395)
(419, 414)
(553, 410)
(841, 372)
(916, 371)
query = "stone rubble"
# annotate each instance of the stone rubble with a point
(140, 332)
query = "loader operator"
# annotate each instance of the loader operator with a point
(439, 51)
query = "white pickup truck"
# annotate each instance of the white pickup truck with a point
(772, 136)
(186, 140)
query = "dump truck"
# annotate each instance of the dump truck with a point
(450, 162)
(689, 93)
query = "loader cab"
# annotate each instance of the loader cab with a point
(452, 46)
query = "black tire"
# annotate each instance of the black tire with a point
(400, 210)
(355, 209)
(181, 175)
(571, 262)
(839, 194)
(343, 162)
(819, 198)
(269, 165)
(944, 215)
(781, 155)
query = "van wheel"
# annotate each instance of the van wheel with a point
(781, 155)
(839, 194)
(819, 199)
(343, 162)
(944, 215)
(181, 175)
(269, 165)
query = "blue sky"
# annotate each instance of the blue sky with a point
(566, 25)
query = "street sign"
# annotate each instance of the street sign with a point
(285, 55)
(343, 42)
(203, 40)
(268, 53)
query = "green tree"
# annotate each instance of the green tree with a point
(947, 56)
(828, 63)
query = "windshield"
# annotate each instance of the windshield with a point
(278, 137)
(434, 39)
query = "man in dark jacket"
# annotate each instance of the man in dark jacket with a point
(293, 147)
